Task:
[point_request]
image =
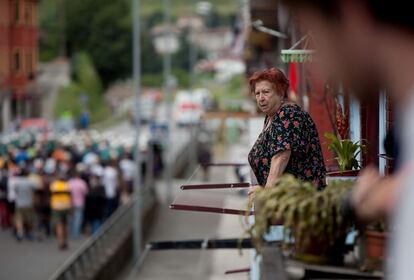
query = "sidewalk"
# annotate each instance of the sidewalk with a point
(180, 225)
(32, 260)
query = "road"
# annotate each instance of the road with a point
(32, 260)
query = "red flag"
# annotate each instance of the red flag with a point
(293, 79)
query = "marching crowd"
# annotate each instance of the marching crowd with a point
(65, 188)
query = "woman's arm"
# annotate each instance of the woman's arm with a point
(277, 167)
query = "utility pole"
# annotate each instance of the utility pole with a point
(167, 94)
(137, 199)
(193, 127)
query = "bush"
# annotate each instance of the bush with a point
(87, 77)
(152, 80)
(69, 100)
(86, 82)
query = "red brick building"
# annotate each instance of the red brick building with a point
(18, 57)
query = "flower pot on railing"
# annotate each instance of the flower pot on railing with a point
(319, 251)
(342, 175)
(373, 250)
(347, 153)
(375, 242)
(313, 219)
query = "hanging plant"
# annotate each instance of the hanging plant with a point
(309, 216)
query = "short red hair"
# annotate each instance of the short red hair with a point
(274, 76)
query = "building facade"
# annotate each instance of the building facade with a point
(18, 58)
(369, 121)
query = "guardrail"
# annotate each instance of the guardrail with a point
(94, 255)
(95, 252)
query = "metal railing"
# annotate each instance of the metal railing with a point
(89, 260)
(94, 254)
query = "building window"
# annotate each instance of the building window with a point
(17, 62)
(16, 11)
(28, 12)
(34, 13)
(30, 65)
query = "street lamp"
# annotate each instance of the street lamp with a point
(166, 43)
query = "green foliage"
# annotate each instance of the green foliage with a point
(151, 80)
(86, 82)
(228, 96)
(50, 31)
(86, 75)
(182, 76)
(68, 101)
(216, 19)
(304, 211)
(186, 7)
(151, 61)
(236, 84)
(155, 18)
(346, 151)
(103, 29)
(157, 79)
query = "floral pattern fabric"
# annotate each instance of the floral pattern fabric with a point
(291, 129)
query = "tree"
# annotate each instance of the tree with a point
(86, 82)
(102, 29)
(49, 30)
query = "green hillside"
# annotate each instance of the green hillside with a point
(185, 7)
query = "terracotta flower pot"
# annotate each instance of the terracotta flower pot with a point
(375, 244)
(317, 250)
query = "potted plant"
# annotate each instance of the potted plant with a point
(346, 155)
(313, 219)
(374, 239)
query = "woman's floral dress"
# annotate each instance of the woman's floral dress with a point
(291, 129)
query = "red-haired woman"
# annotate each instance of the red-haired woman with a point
(289, 141)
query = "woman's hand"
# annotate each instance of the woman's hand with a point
(368, 179)
(374, 196)
(252, 192)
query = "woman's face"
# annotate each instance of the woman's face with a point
(268, 100)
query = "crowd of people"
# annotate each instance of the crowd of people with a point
(64, 186)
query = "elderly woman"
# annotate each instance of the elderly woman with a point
(289, 141)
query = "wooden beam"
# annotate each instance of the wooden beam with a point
(227, 115)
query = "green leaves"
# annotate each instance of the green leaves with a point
(346, 151)
(88, 83)
(304, 211)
